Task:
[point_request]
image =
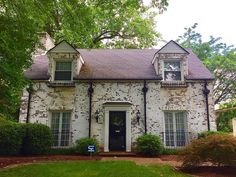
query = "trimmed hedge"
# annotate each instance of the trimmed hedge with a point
(218, 149)
(83, 143)
(27, 139)
(37, 139)
(11, 135)
(149, 145)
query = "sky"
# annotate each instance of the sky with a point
(214, 17)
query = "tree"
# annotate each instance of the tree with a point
(219, 58)
(83, 23)
(18, 36)
(102, 23)
(225, 115)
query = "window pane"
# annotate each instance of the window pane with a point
(172, 75)
(65, 133)
(63, 75)
(55, 123)
(172, 66)
(169, 129)
(63, 66)
(180, 129)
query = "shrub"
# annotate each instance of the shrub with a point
(83, 143)
(218, 149)
(3, 120)
(149, 145)
(207, 133)
(11, 135)
(224, 118)
(37, 139)
(171, 151)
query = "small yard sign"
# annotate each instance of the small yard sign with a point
(91, 149)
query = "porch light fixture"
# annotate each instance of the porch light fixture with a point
(138, 116)
(96, 115)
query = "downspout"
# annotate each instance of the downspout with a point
(90, 93)
(145, 89)
(206, 92)
(29, 90)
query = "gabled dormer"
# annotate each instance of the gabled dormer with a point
(65, 63)
(170, 62)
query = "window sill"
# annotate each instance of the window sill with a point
(173, 84)
(61, 84)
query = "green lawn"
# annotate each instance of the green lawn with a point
(89, 169)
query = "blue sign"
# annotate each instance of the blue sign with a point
(91, 149)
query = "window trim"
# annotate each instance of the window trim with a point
(60, 126)
(174, 126)
(54, 70)
(163, 69)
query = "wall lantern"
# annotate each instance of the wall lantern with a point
(138, 114)
(97, 115)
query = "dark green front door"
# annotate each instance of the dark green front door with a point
(117, 132)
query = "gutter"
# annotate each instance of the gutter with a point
(29, 90)
(145, 89)
(90, 94)
(206, 92)
(115, 79)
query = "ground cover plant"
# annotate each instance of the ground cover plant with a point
(91, 168)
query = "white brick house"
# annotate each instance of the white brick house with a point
(116, 95)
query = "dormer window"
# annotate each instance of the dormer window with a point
(172, 70)
(63, 71)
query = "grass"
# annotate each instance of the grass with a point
(91, 169)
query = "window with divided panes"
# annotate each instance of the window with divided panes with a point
(63, 71)
(175, 134)
(60, 127)
(172, 71)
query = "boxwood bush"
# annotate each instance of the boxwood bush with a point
(37, 139)
(83, 143)
(149, 145)
(218, 149)
(11, 135)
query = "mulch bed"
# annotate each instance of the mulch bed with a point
(211, 171)
(169, 157)
(13, 160)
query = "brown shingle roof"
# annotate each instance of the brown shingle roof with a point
(118, 64)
